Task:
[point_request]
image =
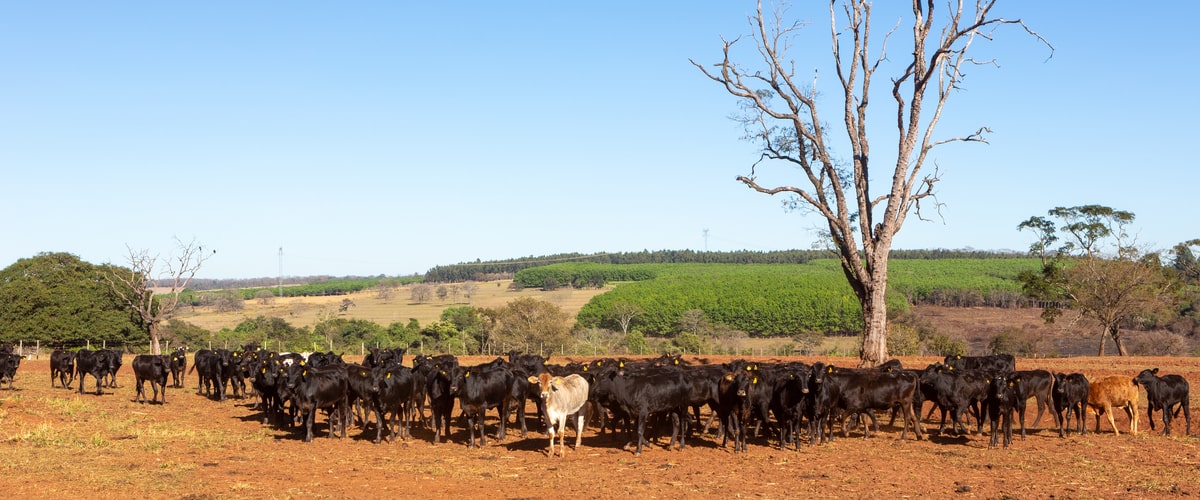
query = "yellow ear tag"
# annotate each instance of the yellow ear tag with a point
(304, 373)
(585, 368)
(949, 368)
(363, 374)
(747, 368)
(729, 377)
(302, 362)
(754, 381)
(621, 364)
(1010, 384)
(389, 375)
(830, 369)
(676, 361)
(467, 374)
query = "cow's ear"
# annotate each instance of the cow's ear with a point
(532, 379)
(1154, 371)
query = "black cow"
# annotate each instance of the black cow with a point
(735, 393)
(384, 357)
(93, 363)
(326, 388)
(363, 395)
(441, 398)
(643, 393)
(994, 362)
(864, 391)
(524, 366)
(233, 373)
(1037, 384)
(268, 374)
(178, 366)
(395, 400)
(1070, 396)
(211, 368)
(821, 411)
(1164, 393)
(9, 363)
(114, 364)
(1004, 393)
(481, 388)
(957, 391)
(62, 367)
(154, 368)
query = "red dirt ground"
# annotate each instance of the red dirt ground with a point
(58, 443)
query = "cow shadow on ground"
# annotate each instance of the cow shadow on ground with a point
(948, 438)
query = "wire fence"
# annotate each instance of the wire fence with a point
(37, 349)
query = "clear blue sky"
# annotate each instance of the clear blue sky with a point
(388, 137)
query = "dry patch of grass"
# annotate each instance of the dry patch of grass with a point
(368, 305)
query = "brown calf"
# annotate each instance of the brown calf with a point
(1114, 392)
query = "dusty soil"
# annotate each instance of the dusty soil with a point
(58, 443)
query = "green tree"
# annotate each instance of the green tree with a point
(863, 210)
(635, 343)
(470, 322)
(1096, 270)
(55, 297)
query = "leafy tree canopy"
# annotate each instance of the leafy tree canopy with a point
(56, 297)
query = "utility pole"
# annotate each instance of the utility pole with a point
(279, 293)
(706, 239)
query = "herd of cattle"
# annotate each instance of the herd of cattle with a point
(782, 403)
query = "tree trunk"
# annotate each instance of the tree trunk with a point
(154, 338)
(1115, 332)
(874, 344)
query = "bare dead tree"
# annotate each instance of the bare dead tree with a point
(782, 115)
(135, 285)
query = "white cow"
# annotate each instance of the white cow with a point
(563, 397)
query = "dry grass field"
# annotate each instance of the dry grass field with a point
(58, 443)
(307, 311)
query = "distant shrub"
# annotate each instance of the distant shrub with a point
(1016, 342)
(942, 345)
(1158, 343)
(903, 340)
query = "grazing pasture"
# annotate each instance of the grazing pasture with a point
(59, 443)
